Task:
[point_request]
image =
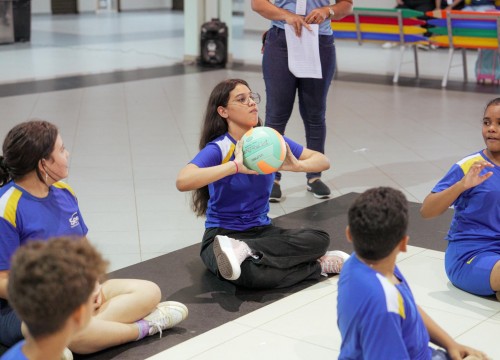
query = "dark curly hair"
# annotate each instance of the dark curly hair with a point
(378, 220)
(49, 280)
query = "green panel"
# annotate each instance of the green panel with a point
(406, 13)
(465, 32)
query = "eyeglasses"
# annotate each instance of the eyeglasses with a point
(245, 99)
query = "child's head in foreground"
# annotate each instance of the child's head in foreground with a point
(50, 280)
(378, 221)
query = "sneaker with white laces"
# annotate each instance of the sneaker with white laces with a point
(67, 354)
(319, 189)
(229, 254)
(166, 315)
(332, 262)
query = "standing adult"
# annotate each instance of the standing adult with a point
(282, 85)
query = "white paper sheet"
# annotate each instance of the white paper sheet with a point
(303, 52)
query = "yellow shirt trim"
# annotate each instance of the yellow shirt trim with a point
(62, 185)
(8, 205)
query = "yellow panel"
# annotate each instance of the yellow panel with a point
(377, 28)
(469, 42)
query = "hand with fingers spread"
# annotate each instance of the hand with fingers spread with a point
(474, 177)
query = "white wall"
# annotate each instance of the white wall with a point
(43, 6)
(375, 3)
(146, 4)
(253, 21)
(40, 7)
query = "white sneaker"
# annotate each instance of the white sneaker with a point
(332, 262)
(229, 254)
(166, 315)
(67, 354)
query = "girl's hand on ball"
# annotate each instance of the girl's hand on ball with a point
(291, 163)
(238, 157)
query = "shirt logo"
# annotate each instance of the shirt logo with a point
(74, 220)
(470, 260)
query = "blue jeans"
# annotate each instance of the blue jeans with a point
(281, 86)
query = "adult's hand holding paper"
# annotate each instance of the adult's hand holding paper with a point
(303, 52)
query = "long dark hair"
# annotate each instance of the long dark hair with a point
(24, 146)
(213, 126)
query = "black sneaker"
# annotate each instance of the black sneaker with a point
(275, 193)
(319, 189)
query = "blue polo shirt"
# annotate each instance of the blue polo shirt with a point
(290, 5)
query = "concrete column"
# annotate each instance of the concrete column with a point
(194, 17)
(211, 9)
(196, 13)
(226, 15)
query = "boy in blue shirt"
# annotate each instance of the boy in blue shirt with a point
(51, 286)
(377, 314)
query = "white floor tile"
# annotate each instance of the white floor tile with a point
(267, 345)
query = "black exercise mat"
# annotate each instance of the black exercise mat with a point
(182, 277)
(331, 216)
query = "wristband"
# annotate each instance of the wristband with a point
(236, 164)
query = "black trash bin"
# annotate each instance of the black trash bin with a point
(21, 12)
(213, 44)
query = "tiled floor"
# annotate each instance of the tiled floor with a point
(128, 139)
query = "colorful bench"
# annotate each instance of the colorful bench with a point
(464, 30)
(399, 26)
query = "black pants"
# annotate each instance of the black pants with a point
(419, 5)
(10, 325)
(287, 256)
